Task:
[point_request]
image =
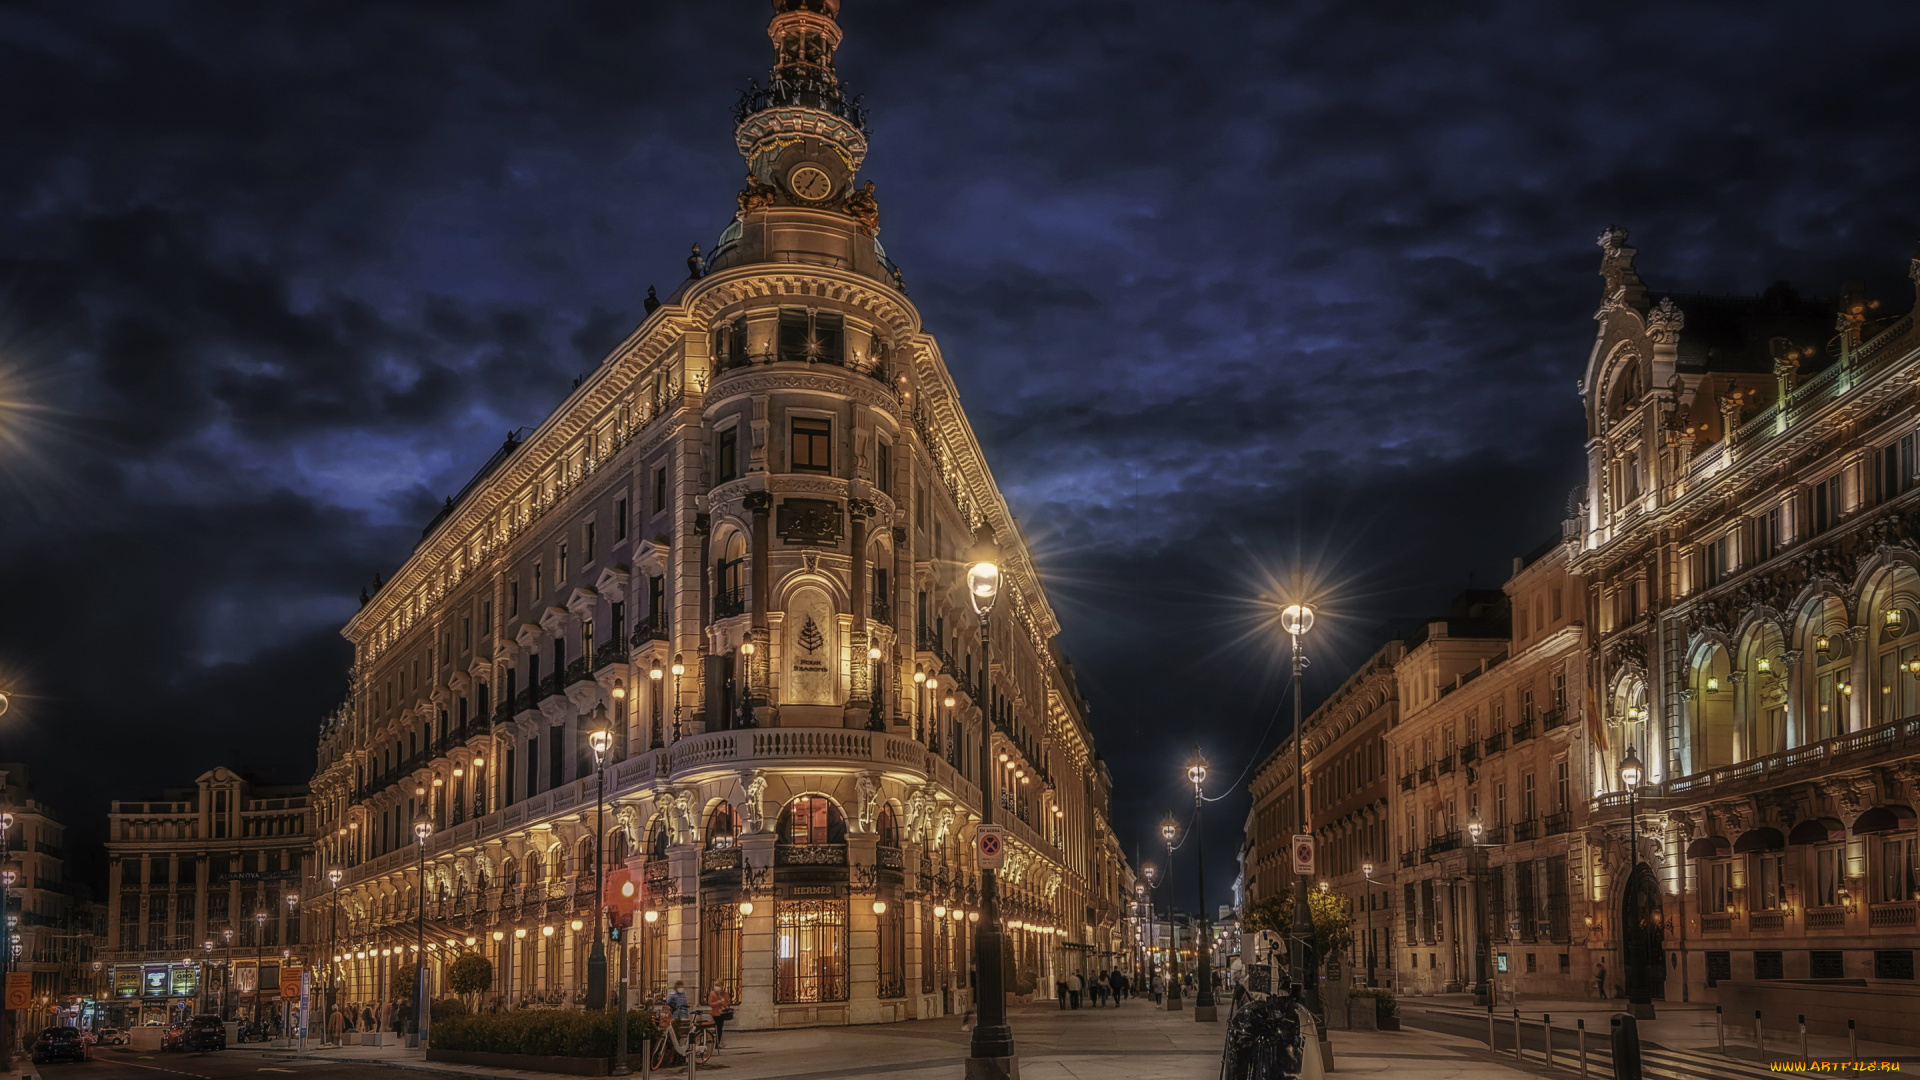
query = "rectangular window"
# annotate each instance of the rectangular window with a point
(791, 335)
(812, 444)
(892, 976)
(810, 951)
(1829, 869)
(1769, 882)
(660, 490)
(1825, 505)
(1714, 562)
(720, 948)
(726, 456)
(1896, 869)
(1528, 808)
(587, 547)
(1717, 891)
(1769, 965)
(1897, 465)
(560, 572)
(619, 520)
(1893, 964)
(1826, 964)
(1562, 785)
(883, 466)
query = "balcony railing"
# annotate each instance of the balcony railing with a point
(1470, 753)
(1407, 859)
(1406, 782)
(1426, 774)
(1496, 742)
(881, 611)
(1889, 915)
(1440, 844)
(1560, 822)
(1826, 918)
(1446, 765)
(1525, 830)
(1553, 718)
(1766, 920)
(810, 855)
(1522, 731)
(729, 602)
(718, 859)
(649, 629)
(1717, 922)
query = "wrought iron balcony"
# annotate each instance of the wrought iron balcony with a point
(649, 629)
(810, 855)
(1525, 830)
(1426, 774)
(729, 602)
(1559, 822)
(1445, 765)
(1406, 782)
(1496, 742)
(882, 611)
(804, 91)
(1553, 718)
(1523, 731)
(1470, 753)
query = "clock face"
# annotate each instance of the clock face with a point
(810, 182)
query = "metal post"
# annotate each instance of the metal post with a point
(991, 1056)
(1489, 1029)
(1203, 1007)
(1804, 1058)
(1580, 1038)
(597, 956)
(1370, 981)
(1853, 1042)
(1306, 966)
(1517, 1056)
(421, 1015)
(7, 1039)
(1759, 1036)
(646, 1058)
(620, 1067)
(1546, 1023)
(1720, 1028)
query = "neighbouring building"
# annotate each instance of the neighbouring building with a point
(52, 920)
(739, 544)
(1348, 785)
(203, 898)
(1492, 734)
(1750, 533)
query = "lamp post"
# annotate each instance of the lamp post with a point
(1297, 619)
(679, 669)
(1203, 1007)
(206, 971)
(1367, 871)
(293, 931)
(992, 1055)
(334, 877)
(1632, 944)
(1169, 832)
(7, 1039)
(656, 674)
(226, 975)
(600, 740)
(421, 830)
(1152, 874)
(1476, 869)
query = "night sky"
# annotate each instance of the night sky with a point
(1231, 291)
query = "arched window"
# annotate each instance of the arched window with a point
(1764, 690)
(1712, 712)
(885, 825)
(1831, 657)
(536, 871)
(510, 874)
(729, 577)
(583, 856)
(723, 827)
(1894, 625)
(812, 819)
(657, 842)
(617, 847)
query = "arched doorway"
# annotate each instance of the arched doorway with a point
(1643, 961)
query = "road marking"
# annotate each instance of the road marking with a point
(176, 1072)
(269, 1068)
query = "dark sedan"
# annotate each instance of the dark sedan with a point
(59, 1044)
(203, 1032)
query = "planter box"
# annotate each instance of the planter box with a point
(570, 1066)
(1363, 1014)
(1390, 1023)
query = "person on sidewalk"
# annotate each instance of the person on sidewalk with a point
(366, 1018)
(720, 1007)
(1075, 985)
(1600, 979)
(677, 1001)
(336, 1023)
(1060, 990)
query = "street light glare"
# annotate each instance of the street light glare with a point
(1297, 619)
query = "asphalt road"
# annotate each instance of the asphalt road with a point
(119, 1063)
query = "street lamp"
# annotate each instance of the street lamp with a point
(1152, 874)
(1367, 871)
(226, 975)
(421, 830)
(600, 740)
(334, 877)
(1296, 620)
(992, 1052)
(1203, 1007)
(1638, 995)
(6, 933)
(1476, 868)
(1169, 832)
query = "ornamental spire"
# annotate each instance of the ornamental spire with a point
(803, 95)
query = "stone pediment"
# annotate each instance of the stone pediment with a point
(612, 582)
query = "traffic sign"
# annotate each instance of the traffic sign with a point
(19, 989)
(289, 982)
(990, 847)
(1303, 854)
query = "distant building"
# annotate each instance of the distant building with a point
(52, 919)
(218, 864)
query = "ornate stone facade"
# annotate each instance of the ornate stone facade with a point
(737, 542)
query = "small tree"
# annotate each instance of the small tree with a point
(470, 975)
(1332, 922)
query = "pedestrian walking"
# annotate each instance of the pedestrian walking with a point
(1075, 985)
(1060, 990)
(1600, 979)
(720, 1007)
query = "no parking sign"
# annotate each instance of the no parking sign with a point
(990, 847)
(1303, 854)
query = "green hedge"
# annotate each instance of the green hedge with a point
(1385, 1007)
(547, 1032)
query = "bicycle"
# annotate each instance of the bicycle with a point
(681, 1037)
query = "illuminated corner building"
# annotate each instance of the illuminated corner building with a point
(52, 921)
(1750, 536)
(737, 542)
(222, 861)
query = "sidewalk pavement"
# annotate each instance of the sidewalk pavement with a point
(1678, 1026)
(1133, 1042)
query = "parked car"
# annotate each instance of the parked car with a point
(59, 1044)
(203, 1032)
(110, 1037)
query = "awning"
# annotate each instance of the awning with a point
(1761, 839)
(1887, 817)
(1708, 847)
(1820, 830)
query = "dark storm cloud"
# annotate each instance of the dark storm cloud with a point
(1226, 286)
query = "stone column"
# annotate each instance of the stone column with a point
(757, 954)
(859, 667)
(863, 935)
(761, 505)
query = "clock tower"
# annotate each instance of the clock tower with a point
(804, 138)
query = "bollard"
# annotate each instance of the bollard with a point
(1546, 1024)
(1804, 1058)
(1720, 1029)
(1580, 1037)
(1853, 1042)
(1626, 1047)
(1517, 1056)
(1489, 1029)
(1759, 1037)
(646, 1059)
